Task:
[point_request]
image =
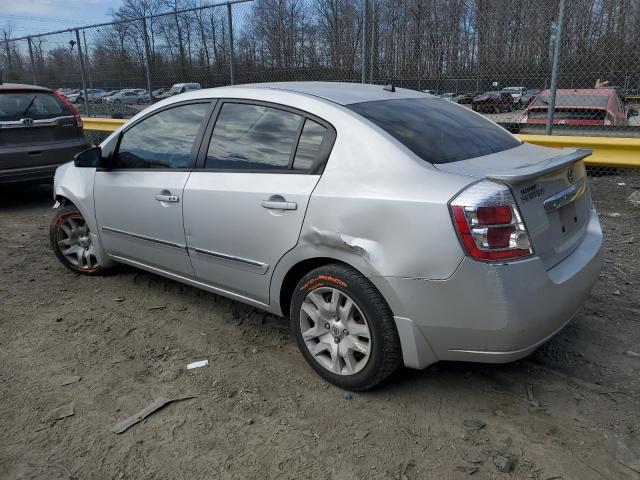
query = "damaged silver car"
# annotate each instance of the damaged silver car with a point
(389, 225)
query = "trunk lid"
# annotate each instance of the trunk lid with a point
(551, 189)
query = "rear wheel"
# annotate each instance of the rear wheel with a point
(344, 328)
(70, 239)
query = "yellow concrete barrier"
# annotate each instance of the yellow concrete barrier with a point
(103, 125)
(607, 151)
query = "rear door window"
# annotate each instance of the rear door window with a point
(37, 105)
(253, 137)
(436, 130)
(310, 145)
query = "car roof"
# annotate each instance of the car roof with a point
(603, 92)
(339, 92)
(23, 87)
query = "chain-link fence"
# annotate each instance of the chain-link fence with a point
(504, 58)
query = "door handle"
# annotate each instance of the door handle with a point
(279, 205)
(167, 198)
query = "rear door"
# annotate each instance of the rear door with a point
(138, 201)
(30, 122)
(245, 204)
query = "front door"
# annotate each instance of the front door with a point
(244, 208)
(139, 199)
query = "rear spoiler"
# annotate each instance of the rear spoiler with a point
(535, 170)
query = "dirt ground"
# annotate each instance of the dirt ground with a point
(570, 411)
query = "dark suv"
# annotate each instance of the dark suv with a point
(39, 130)
(493, 102)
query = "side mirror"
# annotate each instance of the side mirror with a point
(632, 112)
(90, 158)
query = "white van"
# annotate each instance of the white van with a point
(183, 87)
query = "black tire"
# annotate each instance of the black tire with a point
(55, 234)
(385, 351)
(139, 101)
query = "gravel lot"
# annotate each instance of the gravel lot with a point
(569, 411)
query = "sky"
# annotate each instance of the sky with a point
(38, 16)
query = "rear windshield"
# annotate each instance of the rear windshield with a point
(596, 101)
(36, 105)
(436, 130)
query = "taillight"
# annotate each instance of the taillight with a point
(489, 223)
(70, 106)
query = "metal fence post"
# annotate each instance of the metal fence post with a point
(33, 63)
(84, 86)
(84, 38)
(232, 79)
(147, 58)
(365, 12)
(555, 72)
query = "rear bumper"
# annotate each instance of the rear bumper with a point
(50, 158)
(492, 313)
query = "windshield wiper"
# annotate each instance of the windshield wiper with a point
(29, 106)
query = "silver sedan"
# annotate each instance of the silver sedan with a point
(390, 226)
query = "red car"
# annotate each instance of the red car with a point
(582, 107)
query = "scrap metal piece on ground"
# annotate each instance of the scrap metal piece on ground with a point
(61, 412)
(198, 364)
(70, 379)
(145, 412)
(469, 470)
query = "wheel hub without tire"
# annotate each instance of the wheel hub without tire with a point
(335, 331)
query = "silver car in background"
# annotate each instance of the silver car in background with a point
(516, 93)
(132, 96)
(389, 225)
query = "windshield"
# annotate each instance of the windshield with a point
(588, 101)
(36, 105)
(512, 90)
(436, 130)
(175, 89)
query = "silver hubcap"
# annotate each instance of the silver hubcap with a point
(75, 244)
(335, 331)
